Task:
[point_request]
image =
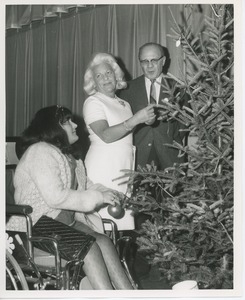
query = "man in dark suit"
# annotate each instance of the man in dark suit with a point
(149, 139)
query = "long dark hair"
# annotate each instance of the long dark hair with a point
(45, 126)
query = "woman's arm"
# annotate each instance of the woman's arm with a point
(45, 169)
(110, 134)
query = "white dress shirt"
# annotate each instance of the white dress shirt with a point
(157, 86)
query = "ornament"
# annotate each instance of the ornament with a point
(178, 42)
(116, 211)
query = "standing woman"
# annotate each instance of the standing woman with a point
(110, 123)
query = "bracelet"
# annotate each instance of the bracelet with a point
(126, 126)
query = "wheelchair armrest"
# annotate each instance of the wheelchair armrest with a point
(18, 210)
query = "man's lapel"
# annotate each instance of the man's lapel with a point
(142, 92)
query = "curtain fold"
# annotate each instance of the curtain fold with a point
(22, 15)
(46, 61)
(112, 31)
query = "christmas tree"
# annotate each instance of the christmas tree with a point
(189, 234)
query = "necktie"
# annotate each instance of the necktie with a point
(153, 92)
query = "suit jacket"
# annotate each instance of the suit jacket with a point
(159, 133)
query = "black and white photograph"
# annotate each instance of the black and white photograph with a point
(122, 128)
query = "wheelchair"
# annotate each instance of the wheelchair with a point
(31, 268)
(34, 269)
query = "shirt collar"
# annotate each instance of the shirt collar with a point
(158, 79)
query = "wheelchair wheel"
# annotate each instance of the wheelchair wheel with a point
(15, 279)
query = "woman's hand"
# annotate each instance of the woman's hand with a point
(111, 197)
(145, 115)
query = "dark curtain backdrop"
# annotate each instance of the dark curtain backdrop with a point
(46, 57)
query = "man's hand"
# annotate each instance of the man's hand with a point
(162, 114)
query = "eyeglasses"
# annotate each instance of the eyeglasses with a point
(153, 61)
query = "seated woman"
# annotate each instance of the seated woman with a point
(49, 179)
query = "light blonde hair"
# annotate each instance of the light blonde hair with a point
(98, 58)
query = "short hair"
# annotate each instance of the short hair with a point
(46, 127)
(159, 46)
(97, 59)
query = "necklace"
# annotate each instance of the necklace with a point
(120, 101)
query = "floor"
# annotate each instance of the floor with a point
(146, 277)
